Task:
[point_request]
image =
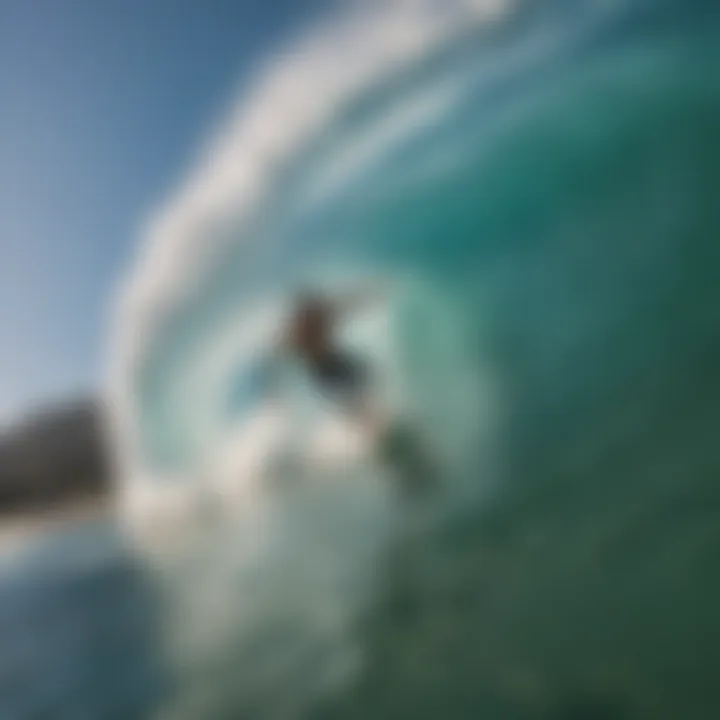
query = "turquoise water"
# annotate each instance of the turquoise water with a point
(550, 214)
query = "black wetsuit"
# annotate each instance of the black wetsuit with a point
(339, 373)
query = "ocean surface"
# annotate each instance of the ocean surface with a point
(536, 189)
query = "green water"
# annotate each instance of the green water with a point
(587, 586)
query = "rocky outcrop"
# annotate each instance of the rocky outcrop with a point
(55, 456)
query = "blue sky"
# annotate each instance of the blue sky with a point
(102, 107)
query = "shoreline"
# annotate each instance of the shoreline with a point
(18, 526)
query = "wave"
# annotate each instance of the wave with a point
(324, 120)
(464, 153)
(297, 98)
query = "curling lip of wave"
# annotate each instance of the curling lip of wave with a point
(307, 83)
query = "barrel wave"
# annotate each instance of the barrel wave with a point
(535, 183)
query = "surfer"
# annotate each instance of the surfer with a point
(310, 336)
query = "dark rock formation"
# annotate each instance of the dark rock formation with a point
(54, 456)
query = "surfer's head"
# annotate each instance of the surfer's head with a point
(310, 322)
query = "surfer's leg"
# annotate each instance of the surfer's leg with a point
(402, 448)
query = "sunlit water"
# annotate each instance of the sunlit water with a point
(548, 222)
